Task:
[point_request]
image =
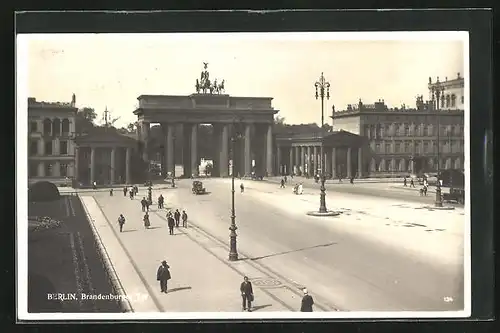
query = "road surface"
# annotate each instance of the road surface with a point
(338, 258)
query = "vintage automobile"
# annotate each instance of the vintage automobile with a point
(198, 188)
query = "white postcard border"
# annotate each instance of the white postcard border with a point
(22, 181)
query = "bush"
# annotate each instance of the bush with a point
(43, 191)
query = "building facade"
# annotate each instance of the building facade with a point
(105, 157)
(426, 138)
(339, 154)
(51, 148)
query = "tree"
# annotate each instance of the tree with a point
(132, 127)
(88, 113)
(84, 121)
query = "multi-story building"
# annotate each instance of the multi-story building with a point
(406, 140)
(51, 133)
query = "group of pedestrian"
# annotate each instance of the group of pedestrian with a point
(247, 297)
(161, 201)
(132, 191)
(405, 182)
(145, 204)
(174, 219)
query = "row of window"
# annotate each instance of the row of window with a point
(48, 169)
(426, 147)
(380, 131)
(451, 101)
(33, 149)
(49, 127)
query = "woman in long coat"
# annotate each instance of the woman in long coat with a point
(146, 221)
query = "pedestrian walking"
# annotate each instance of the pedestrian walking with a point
(282, 183)
(307, 302)
(131, 193)
(285, 179)
(246, 294)
(125, 190)
(94, 185)
(404, 182)
(242, 188)
(143, 204)
(177, 217)
(184, 219)
(148, 203)
(412, 183)
(171, 224)
(111, 192)
(160, 202)
(163, 275)
(136, 190)
(146, 221)
(121, 222)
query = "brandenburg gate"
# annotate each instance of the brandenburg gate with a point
(249, 119)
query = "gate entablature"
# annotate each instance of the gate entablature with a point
(196, 108)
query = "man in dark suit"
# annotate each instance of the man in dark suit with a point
(246, 294)
(307, 302)
(163, 275)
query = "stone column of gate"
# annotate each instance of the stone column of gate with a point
(302, 160)
(315, 159)
(291, 168)
(278, 160)
(216, 139)
(309, 160)
(194, 150)
(349, 171)
(184, 130)
(248, 149)
(170, 157)
(327, 159)
(334, 163)
(224, 151)
(128, 173)
(92, 165)
(145, 137)
(113, 166)
(75, 166)
(297, 159)
(269, 151)
(360, 162)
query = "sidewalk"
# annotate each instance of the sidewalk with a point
(203, 280)
(334, 181)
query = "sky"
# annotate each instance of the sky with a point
(112, 70)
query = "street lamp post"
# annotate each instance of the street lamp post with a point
(322, 91)
(233, 252)
(438, 92)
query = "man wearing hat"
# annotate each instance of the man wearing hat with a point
(163, 275)
(307, 302)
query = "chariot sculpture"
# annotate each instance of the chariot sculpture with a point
(205, 86)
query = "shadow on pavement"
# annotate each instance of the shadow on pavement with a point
(292, 251)
(179, 289)
(259, 307)
(154, 227)
(129, 230)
